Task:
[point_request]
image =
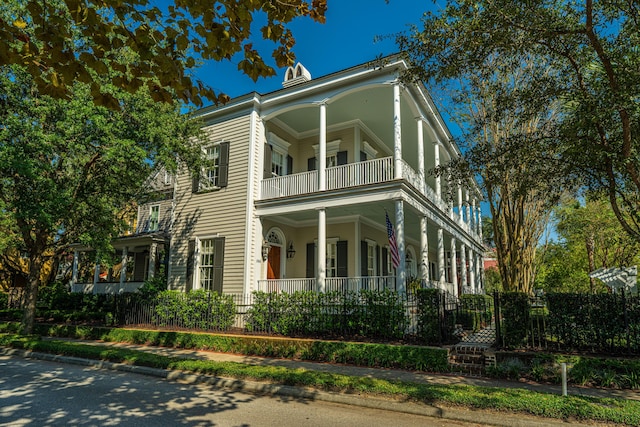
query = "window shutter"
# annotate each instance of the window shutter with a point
(363, 156)
(289, 165)
(378, 269)
(341, 252)
(218, 264)
(363, 258)
(385, 263)
(223, 168)
(311, 260)
(195, 183)
(266, 167)
(311, 164)
(191, 249)
(342, 158)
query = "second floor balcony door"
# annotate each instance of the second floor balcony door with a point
(273, 266)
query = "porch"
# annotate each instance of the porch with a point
(343, 284)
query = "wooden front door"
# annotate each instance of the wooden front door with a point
(273, 267)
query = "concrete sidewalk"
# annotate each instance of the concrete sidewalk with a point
(475, 416)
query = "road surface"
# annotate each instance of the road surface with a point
(39, 393)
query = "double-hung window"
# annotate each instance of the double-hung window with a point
(371, 258)
(332, 258)
(214, 174)
(154, 218)
(212, 169)
(210, 260)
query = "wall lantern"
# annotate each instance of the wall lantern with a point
(265, 250)
(291, 252)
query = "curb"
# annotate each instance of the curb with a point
(272, 389)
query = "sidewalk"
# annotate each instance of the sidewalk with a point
(485, 417)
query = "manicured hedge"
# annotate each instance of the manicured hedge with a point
(360, 354)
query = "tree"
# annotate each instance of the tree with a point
(69, 168)
(593, 47)
(43, 37)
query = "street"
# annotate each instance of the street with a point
(39, 393)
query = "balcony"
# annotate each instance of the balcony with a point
(353, 175)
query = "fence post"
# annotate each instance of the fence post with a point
(497, 317)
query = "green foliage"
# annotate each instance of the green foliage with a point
(515, 311)
(475, 312)
(61, 42)
(153, 286)
(373, 314)
(435, 323)
(196, 309)
(496, 399)
(4, 300)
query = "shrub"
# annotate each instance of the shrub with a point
(514, 308)
(196, 309)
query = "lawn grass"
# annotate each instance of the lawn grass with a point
(498, 399)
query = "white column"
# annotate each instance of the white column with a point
(436, 157)
(401, 273)
(460, 210)
(473, 223)
(74, 268)
(397, 132)
(468, 207)
(424, 250)
(322, 153)
(479, 268)
(421, 173)
(357, 143)
(463, 267)
(472, 271)
(479, 223)
(96, 277)
(152, 260)
(454, 266)
(441, 266)
(322, 248)
(123, 268)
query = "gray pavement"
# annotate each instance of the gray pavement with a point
(484, 417)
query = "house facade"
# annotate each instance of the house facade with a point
(306, 184)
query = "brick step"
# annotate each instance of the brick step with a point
(467, 358)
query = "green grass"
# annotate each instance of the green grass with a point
(497, 399)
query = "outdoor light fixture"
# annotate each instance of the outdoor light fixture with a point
(265, 250)
(291, 252)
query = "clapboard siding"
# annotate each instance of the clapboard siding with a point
(144, 213)
(216, 213)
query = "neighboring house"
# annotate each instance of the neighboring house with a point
(301, 180)
(138, 253)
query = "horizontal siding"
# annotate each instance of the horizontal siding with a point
(216, 213)
(144, 212)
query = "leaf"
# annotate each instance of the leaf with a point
(20, 23)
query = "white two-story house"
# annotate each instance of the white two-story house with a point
(301, 182)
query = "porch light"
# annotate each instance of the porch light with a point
(265, 250)
(291, 252)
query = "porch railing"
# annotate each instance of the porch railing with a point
(331, 284)
(289, 185)
(106, 287)
(286, 285)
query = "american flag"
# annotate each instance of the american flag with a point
(393, 245)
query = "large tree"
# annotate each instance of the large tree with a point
(593, 46)
(43, 37)
(69, 168)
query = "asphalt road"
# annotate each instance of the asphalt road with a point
(39, 393)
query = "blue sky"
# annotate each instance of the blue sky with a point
(345, 40)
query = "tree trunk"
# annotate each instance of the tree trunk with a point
(36, 262)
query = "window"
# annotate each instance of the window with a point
(154, 218)
(211, 172)
(206, 264)
(214, 175)
(371, 258)
(389, 262)
(167, 178)
(278, 163)
(332, 258)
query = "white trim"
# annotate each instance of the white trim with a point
(369, 150)
(157, 205)
(279, 143)
(283, 248)
(332, 148)
(196, 264)
(249, 235)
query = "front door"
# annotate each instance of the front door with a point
(273, 267)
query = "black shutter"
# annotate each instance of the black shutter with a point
(289, 165)
(195, 183)
(191, 262)
(218, 263)
(311, 164)
(364, 271)
(223, 165)
(378, 260)
(266, 167)
(311, 260)
(385, 264)
(341, 253)
(342, 158)
(363, 156)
